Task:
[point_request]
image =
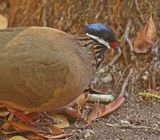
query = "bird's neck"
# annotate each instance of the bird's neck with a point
(97, 50)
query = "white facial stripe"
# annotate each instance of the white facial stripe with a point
(101, 41)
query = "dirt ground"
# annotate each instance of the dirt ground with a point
(135, 120)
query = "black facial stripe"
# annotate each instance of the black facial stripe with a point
(90, 43)
(97, 51)
(97, 48)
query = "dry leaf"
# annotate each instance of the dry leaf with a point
(62, 121)
(75, 113)
(34, 137)
(3, 22)
(4, 113)
(34, 116)
(6, 125)
(81, 100)
(145, 37)
(101, 110)
(17, 138)
(10, 132)
(21, 116)
(65, 135)
(24, 127)
(56, 130)
(73, 109)
(39, 132)
(2, 106)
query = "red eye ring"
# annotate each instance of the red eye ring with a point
(114, 44)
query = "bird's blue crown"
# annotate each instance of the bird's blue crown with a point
(97, 27)
(101, 31)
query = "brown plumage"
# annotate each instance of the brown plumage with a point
(42, 69)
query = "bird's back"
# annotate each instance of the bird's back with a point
(42, 68)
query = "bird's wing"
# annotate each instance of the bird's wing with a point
(42, 69)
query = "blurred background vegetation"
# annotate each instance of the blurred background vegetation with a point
(72, 15)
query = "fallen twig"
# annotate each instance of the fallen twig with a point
(122, 93)
(153, 69)
(131, 90)
(102, 98)
(138, 10)
(44, 14)
(126, 33)
(121, 78)
(131, 126)
(126, 39)
(101, 110)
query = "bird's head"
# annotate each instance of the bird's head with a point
(103, 34)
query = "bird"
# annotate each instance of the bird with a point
(43, 69)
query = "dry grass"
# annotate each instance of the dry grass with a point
(72, 15)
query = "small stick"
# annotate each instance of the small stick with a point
(127, 30)
(121, 78)
(102, 98)
(153, 77)
(132, 83)
(128, 125)
(127, 40)
(139, 11)
(44, 3)
(122, 93)
(153, 68)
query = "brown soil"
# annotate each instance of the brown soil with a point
(135, 120)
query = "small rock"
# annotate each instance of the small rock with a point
(124, 122)
(87, 135)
